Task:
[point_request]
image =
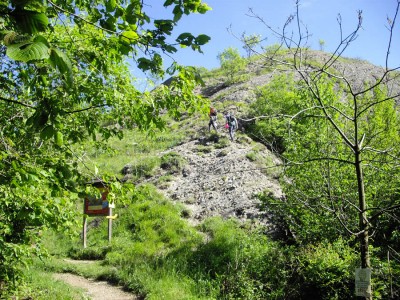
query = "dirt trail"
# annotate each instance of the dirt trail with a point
(95, 290)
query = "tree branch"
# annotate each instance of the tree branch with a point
(391, 24)
(383, 210)
(84, 109)
(17, 102)
(80, 18)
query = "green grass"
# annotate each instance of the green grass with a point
(135, 148)
(172, 162)
(41, 285)
(163, 182)
(156, 254)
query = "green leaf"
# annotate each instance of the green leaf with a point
(168, 2)
(58, 138)
(47, 132)
(31, 120)
(170, 49)
(185, 38)
(154, 65)
(203, 8)
(171, 69)
(129, 37)
(41, 39)
(202, 39)
(166, 26)
(111, 5)
(130, 13)
(31, 22)
(177, 13)
(15, 165)
(28, 51)
(108, 23)
(60, 60)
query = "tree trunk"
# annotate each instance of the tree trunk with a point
(363, 223)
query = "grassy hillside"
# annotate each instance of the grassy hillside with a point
(157, 253)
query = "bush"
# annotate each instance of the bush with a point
(222, 143)
(252, 156)
(173, 162)
(163, 182)
(326, 271)
(145, 167)
(244, 262)
(91, 253)
(203, 149)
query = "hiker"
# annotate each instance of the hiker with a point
(231, 123)
(213, 119)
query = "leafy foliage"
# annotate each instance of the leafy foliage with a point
(276, 104)
(250, 42)
(155, 252)
(346, 121)
(322, 176)
(64, 80)
(232, 64)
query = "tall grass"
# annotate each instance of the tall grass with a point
(158, 255)
(136, 148)
(41, 285)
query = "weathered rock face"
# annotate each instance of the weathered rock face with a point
(221, 182)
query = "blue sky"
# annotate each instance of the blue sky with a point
(320, 16)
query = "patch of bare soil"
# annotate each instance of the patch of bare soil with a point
(95, 290)
(74, 261)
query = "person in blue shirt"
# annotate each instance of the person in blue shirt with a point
(232, 122)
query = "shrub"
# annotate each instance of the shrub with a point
(244, 262)
(91, 253)
(173, 162)
(252, 156)
(143, 167)
(203, 149)
(326, 271)
(222, 143)
(164, 181)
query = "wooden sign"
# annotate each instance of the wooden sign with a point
(97, 206)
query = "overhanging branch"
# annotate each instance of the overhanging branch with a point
(17, 102)
(84, 109)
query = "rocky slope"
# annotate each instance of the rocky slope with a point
(223, 181)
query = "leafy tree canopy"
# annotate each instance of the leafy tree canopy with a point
(63, 79)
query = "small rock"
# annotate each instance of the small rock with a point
(127, 169)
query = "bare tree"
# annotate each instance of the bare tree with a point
(297, 56)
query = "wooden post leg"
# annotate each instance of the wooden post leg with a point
(84, 230)
(109, 225)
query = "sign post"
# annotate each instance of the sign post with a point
(363, 282)
(94, 206)
(110, 218)
(84, 230)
